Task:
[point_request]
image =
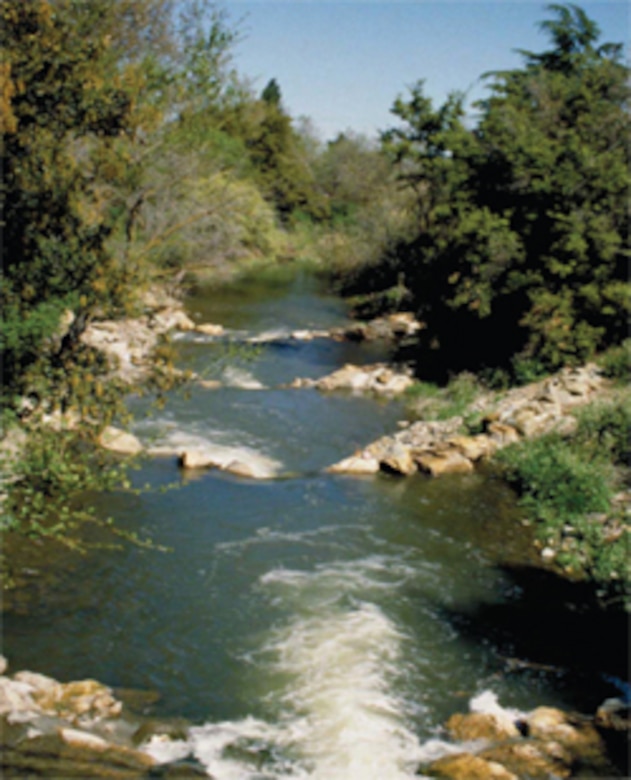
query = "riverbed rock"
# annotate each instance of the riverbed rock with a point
(551, 724)
(398, 459)
(474, 448)
(466, 766)
(209, 329)
(534, 760)
(360, 463)
(448, 462)
(122, 442)
(378, 378)
(171, 318)
(480, 725)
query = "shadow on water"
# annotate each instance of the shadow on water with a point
(554, 626)
(555, 629)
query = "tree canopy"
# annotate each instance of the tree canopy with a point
(521, 248)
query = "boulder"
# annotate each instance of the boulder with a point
(198, 459)
(116, 440)
(171, 318)
(465, 766)
(473, 447)
(502, 434)
(534, 760)
(398, 460)
(209, 329)
(361, 463)
(551, 724)
(240, 469)
(480, 725)
(448, 462)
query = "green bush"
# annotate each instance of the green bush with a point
(603, 429)
(556, 483)
(615, 363)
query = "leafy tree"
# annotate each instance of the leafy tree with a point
(271, 94)
(522, 221)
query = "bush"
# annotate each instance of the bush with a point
(615, 363)
(555, 481)
(603, 430)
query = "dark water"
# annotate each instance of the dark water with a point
(315, 626)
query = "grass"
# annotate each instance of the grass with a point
(567, 486)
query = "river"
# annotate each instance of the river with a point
(310, 624)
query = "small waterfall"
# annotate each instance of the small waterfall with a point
(334, 666)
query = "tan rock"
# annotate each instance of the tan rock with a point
(240, 469)
(549, 723)
(398, 460)
(502, 433)
(480, 725)
(534, 760)
(209, 384)
(363, 463)
(197, 459)
(209, 329)
(473, 447)
(116, 440)
(450, 462)
(465, 766)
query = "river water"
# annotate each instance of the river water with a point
(310, 624)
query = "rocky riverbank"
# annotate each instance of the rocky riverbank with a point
(80, 729)
(493, 743)
(441, 447)
(85, 729)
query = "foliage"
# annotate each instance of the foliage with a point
(429, 401)
(521, 222)
(567, 485)
(615, 362)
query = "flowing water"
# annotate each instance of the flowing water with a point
(308, 623)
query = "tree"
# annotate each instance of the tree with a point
(522, 221)
(271, 94)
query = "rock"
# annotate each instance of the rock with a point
(209, 384)
(480, 725)
(362, 463)
(170, 318)
(197, 459)
(209, 329)
(450, 462)
(240, 469)
(473, 448)
(176, 729)
(502, 434)
(550, 724)
(536, 761)
(465, 766)
(532, 422)
(16, 699)
(614, 714)
(116, 440)
(74, 700)
(398, 460)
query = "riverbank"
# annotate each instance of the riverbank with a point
(84, 729)
(231, 520)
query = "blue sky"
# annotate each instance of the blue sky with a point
(343, 63)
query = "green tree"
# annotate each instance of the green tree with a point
(522, 221)
(271, 94)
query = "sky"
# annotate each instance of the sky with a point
(342, 64)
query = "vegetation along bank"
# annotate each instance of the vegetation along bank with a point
(137, 162)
